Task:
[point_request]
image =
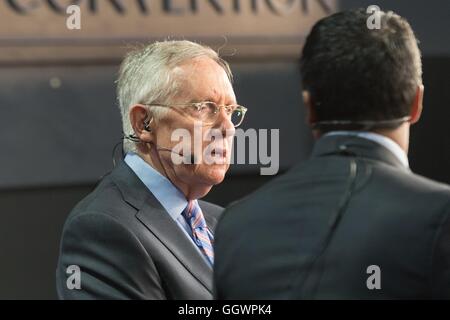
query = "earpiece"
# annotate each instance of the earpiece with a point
(147, 125)
(134, 138)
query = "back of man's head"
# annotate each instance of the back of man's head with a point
(354, 73)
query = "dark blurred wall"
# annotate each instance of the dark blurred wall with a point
(59, 123)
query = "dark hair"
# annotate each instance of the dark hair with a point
(359, 74)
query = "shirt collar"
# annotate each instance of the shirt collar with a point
(386, 142)
(170, 197)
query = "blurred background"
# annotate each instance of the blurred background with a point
(59, 121)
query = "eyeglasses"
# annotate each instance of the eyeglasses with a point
(208, 111)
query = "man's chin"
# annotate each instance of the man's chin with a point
(213, 175)
(214, 179)
(206, 176)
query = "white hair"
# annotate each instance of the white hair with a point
(145, 77)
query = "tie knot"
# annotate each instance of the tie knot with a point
(189, 209)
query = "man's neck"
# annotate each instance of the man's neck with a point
(399, 135)
(191, 191)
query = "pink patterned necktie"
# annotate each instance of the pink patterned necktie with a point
(203, 238)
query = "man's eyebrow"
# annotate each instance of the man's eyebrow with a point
(211, 99)
(201, 100)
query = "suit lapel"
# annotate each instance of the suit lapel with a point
(158, 221)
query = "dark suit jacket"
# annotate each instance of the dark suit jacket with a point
(289, 239)
(128, 247)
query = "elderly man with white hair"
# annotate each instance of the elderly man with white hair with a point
(143, 233)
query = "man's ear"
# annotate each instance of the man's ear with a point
(140, 120)
(311, 116)
(417, 106)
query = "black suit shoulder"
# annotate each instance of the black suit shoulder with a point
(324, 170)
(425, 198)
(105, 199)
(392, 212)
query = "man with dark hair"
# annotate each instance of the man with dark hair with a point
(353, 222)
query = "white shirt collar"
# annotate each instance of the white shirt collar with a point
(386, 142)
(170, 197)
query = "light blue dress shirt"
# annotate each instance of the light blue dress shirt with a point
(170, 197)
(386, 142)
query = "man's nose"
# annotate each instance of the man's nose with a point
(224, 123)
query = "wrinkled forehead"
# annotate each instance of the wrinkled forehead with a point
(202, 79)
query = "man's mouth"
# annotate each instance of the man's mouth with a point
(219, 153)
